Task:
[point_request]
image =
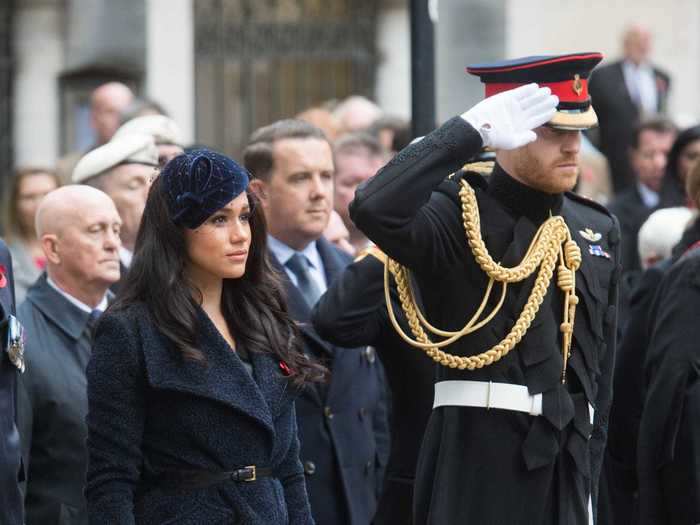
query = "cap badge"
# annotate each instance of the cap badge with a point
(577, 85)
(590, 235)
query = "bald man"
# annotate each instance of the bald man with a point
(107, 102)
(78, 227)
(623, 94)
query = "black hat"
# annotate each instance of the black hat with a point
(566, 75)
(199, 183)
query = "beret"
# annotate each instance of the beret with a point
(161, 128)
(128, 149)
(200, 182)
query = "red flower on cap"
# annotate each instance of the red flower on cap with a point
(3, 276)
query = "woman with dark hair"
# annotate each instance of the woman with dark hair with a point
(195, 368)
(684, 154)
(27, 188)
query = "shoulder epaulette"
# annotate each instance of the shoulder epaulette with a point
(482, 167)
(374, 251)
(587, 201)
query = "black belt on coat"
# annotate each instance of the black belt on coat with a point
(199, 479)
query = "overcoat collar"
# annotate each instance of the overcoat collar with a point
(65, 315)
(223, 378)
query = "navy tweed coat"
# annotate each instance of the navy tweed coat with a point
(150, 412)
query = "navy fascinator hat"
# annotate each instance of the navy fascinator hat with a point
(200, 182)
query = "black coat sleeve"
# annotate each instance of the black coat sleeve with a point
(350, 312)
(398, 210)
(668, 457)
(116, 411)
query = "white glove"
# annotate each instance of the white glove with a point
(506, 120)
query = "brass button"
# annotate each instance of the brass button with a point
(370, 354)
(309, 468)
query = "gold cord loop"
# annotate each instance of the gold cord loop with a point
(551, 242)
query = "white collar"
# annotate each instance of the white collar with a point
(85, 308)
(650, 198)
(284, 252)
(125, 256)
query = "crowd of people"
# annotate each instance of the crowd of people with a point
(208, 340)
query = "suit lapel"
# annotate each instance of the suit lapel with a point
(300, 312)
(333, 261)
(67, 317)
(624, 92)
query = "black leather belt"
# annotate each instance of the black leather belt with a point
(199, 479)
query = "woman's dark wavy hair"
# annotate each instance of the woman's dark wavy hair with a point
(252, 305)
(683, 139)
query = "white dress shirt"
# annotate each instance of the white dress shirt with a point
(125, 256)
(283, 253)
(650, 198)
(641, 85)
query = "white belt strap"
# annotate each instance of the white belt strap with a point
(485, 394)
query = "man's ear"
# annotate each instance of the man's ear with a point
(50, 246)
(259, 187)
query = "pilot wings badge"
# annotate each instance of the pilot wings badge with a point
(590, 235)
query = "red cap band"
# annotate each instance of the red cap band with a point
(574, 90)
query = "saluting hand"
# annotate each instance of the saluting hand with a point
(506, 120)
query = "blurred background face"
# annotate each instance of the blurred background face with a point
(219, 248)
(32, 188)
(637, 44)
(107, 103)
(351, 170)
(128, 186)
(688, 159)
(88, 245)
(298, 197)
(337, 234)
(167, 152)
(649, 159)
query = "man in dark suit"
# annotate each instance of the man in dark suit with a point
(342, 424)
(623, 93)
(651, 143)
(11, 363)
(353, 312)
(79, 230)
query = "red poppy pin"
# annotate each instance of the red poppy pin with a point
(3, 276)
(285, 368)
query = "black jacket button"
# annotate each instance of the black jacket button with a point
(309, 468)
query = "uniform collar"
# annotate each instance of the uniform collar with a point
(523, 200)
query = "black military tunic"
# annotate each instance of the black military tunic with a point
(501, 467)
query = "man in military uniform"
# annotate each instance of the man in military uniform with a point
(11, 363)
(517, 282)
